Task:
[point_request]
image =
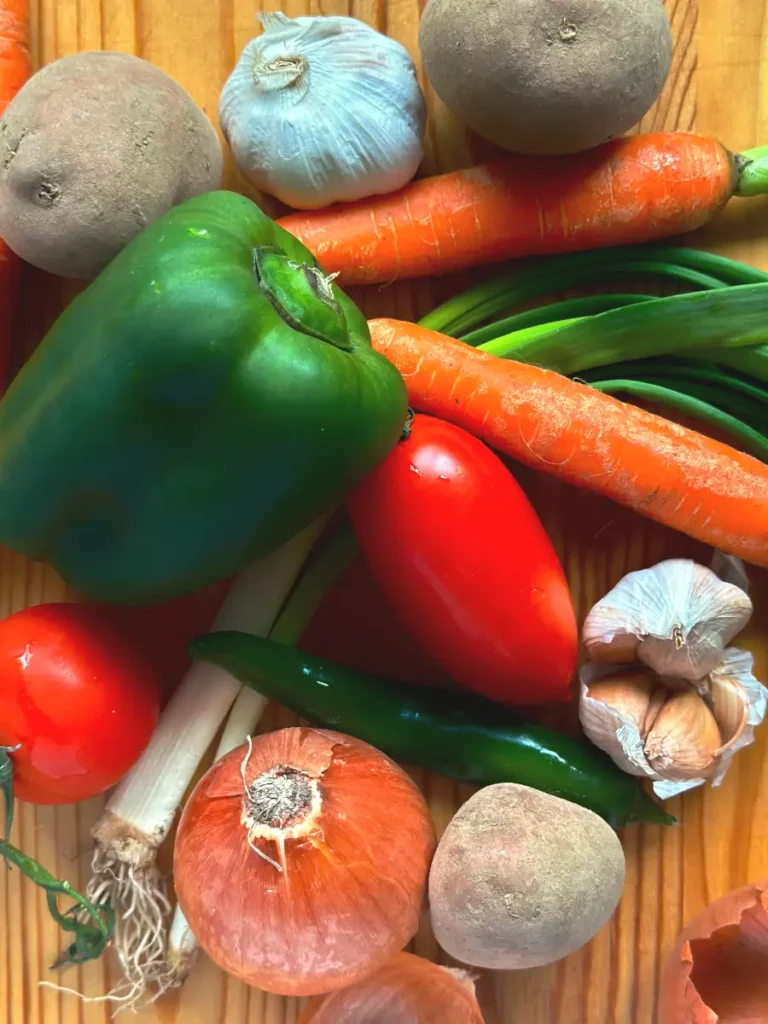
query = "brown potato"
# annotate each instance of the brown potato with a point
(94, 147)
(541, 77)
(521, 878)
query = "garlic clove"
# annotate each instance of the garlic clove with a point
(629, 693)
(684, 742)
(730, 706)
(702, 742)
(737, 665)
(675, 617)
(615, 703)
(659, 698)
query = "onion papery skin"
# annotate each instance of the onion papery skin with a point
(718, 972)
(352, 889)
(407, 990)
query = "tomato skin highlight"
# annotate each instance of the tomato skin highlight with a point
(78, 696)
(458, 551)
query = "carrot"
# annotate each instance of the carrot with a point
(14, 49)
(665, 471)
(14, 71)
(633, 189)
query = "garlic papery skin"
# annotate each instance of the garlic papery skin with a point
(669, 735)
(676, 617)
(323, 109)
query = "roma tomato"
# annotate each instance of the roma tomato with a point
(78, 696)
(463, 560)
(355, 627)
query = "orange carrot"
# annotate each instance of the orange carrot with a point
(658, 468)
(14, 71)
(633, 189)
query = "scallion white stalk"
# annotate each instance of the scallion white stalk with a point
(297, 613)
(141, 811)
(182, 945)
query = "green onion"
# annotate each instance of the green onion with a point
(752, 361)
(537, 278)
(726, 401)
(586, 305)
(752, 441)
(744, 398)
(729, 317)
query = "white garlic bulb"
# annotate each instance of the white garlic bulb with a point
(676, 617)
(323, 109)
(672, 736)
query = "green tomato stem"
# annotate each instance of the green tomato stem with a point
(92, 925)
(6, 787)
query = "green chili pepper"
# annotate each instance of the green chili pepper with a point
(455, 734)
(209, 395)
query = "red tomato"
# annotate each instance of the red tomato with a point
(77, 696)
(463, 560)
(355, 627)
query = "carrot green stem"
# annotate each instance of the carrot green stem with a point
(752, 441)
(92, 925)
(752, 170)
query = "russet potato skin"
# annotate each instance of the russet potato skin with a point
(540, 77)
(95, 147)
(521, 878)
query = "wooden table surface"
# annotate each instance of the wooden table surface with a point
(717, 86)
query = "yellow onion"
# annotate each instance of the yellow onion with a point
(718, 972)
(301, 861)
(407, 990)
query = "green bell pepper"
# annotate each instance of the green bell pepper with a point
(210, 394)
(453, 733)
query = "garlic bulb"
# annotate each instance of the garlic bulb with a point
(323, 109)
(676, 617)
(674, 736)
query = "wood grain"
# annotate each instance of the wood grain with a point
(716, 86)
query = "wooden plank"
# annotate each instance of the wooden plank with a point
(717, 86)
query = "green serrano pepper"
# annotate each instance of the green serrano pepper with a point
(459, 735)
